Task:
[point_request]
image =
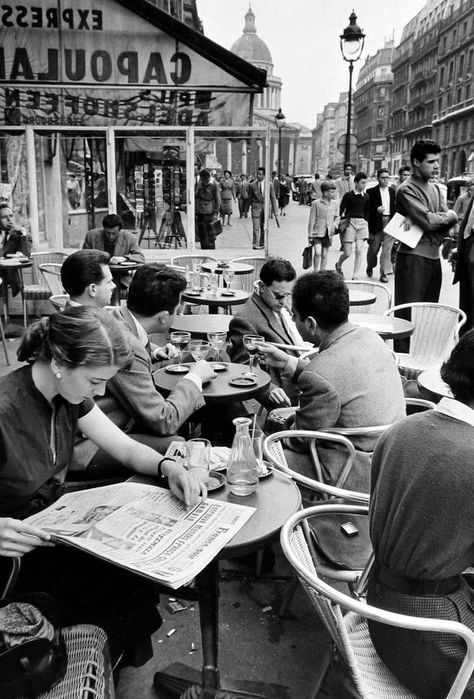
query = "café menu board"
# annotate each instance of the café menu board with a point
(99, 63)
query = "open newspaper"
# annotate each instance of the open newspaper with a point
(144, 528)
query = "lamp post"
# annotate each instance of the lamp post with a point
(352, 44)
(280, 119)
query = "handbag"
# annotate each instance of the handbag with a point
(308, 257)
(216, 227)
(33, 656)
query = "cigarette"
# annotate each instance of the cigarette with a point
(171, 632)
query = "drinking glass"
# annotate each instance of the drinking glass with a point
(197, 265)
(217, 341)
(213, 283)
(228, 276)
(198, 453)
(198, 349)
(256, 436)
(251, 343)
(180, 339)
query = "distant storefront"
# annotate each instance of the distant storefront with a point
(106, 106)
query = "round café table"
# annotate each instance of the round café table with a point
(388, 327)
(361, 298)
(235, 267)
(275, 500)
(217, 390)
(214, 301)
(432, 386)
(7, 264)
(120, 270)
(201, 324)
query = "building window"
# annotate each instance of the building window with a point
(381, 112)
(382, 92)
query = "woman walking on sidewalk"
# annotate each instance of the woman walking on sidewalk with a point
(354, 208)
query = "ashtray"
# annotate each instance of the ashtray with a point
(243, 381)
(222, 265)
(227, 293)
(264, 469)
(218, 366)
(216, 480)
(128, 263)
(177, 368)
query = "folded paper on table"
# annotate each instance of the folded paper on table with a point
(397, 228)
(144, 528)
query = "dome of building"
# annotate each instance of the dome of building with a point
(250, 47)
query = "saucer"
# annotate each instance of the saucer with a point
(219, 366)
(243, 381)
(216, 480)
(177, 368)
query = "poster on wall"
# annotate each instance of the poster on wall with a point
(101, 64)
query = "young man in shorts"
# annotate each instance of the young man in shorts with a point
(354, 209)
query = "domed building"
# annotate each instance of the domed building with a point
(253, 49)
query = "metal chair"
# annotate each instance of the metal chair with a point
(436, 332)
(187, 260)
(246, 281)
(383, 296)
(345, 617)
(51, 272)
(39, 291)
(2, 334)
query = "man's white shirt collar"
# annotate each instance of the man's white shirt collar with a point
(456, 409)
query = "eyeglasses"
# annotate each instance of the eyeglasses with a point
(278, 295)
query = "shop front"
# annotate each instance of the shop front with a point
(113, 107)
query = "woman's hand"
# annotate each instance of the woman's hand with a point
(185, 485)
(17, 537)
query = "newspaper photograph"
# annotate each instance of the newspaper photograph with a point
(144, 528)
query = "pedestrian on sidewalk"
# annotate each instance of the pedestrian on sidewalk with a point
(354, 208)
(323, 221)
(381, 210)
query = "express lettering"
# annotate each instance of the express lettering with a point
(98, 67)
(50, 18)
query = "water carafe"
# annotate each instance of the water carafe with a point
(242, 471)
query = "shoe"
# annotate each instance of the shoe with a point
(257, 247)
(355, 278)
(383, 279)
(369, 271)
(339, 270)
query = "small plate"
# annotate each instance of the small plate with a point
(192, 293)
(268, 470)
(177, 368)
(128, 263)
(216, 480)
(227, 293)
(219, 366)
(243, 381)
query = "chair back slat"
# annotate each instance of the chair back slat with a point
(187, 260)
(383, 296)
(39, 258)
(51, 273)
(246, 281)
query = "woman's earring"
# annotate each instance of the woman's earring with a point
(58, 375)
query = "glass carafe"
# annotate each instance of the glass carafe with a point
(242, 471)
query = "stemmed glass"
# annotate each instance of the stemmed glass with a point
(198, 349)
(180, 339)
(251, 343)
(228, 276)
(217, 341)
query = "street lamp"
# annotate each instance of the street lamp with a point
(352, 44)
(280, 119)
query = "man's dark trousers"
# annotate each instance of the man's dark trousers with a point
(416, 279)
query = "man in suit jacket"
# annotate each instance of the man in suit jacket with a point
(13, 240)
(257, 207)
(131, 400)
(86, 277)
(121, 245)
(381, 210)
(352, 381)
(265, 314)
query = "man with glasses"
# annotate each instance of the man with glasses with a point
(381, 210)
(265, 314)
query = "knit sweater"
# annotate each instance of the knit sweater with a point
(422, 505)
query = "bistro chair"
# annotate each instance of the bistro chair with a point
(2, 334)
(51, 272)
(383, 296)
(187, 260)
(246, 281)
(342, 558)
(436, 332)
(59, 302)
(345, 618)
(89, 670)
(39, 290)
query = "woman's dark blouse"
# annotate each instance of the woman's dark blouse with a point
(36, 442)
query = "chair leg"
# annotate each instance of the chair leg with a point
(25, 313)
(290, 593)
(4, 343)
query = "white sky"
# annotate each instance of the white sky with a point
(303, 39)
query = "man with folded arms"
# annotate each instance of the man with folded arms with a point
(352, 382)
(131, 400)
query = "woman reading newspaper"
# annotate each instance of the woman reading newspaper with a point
(70, 357)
